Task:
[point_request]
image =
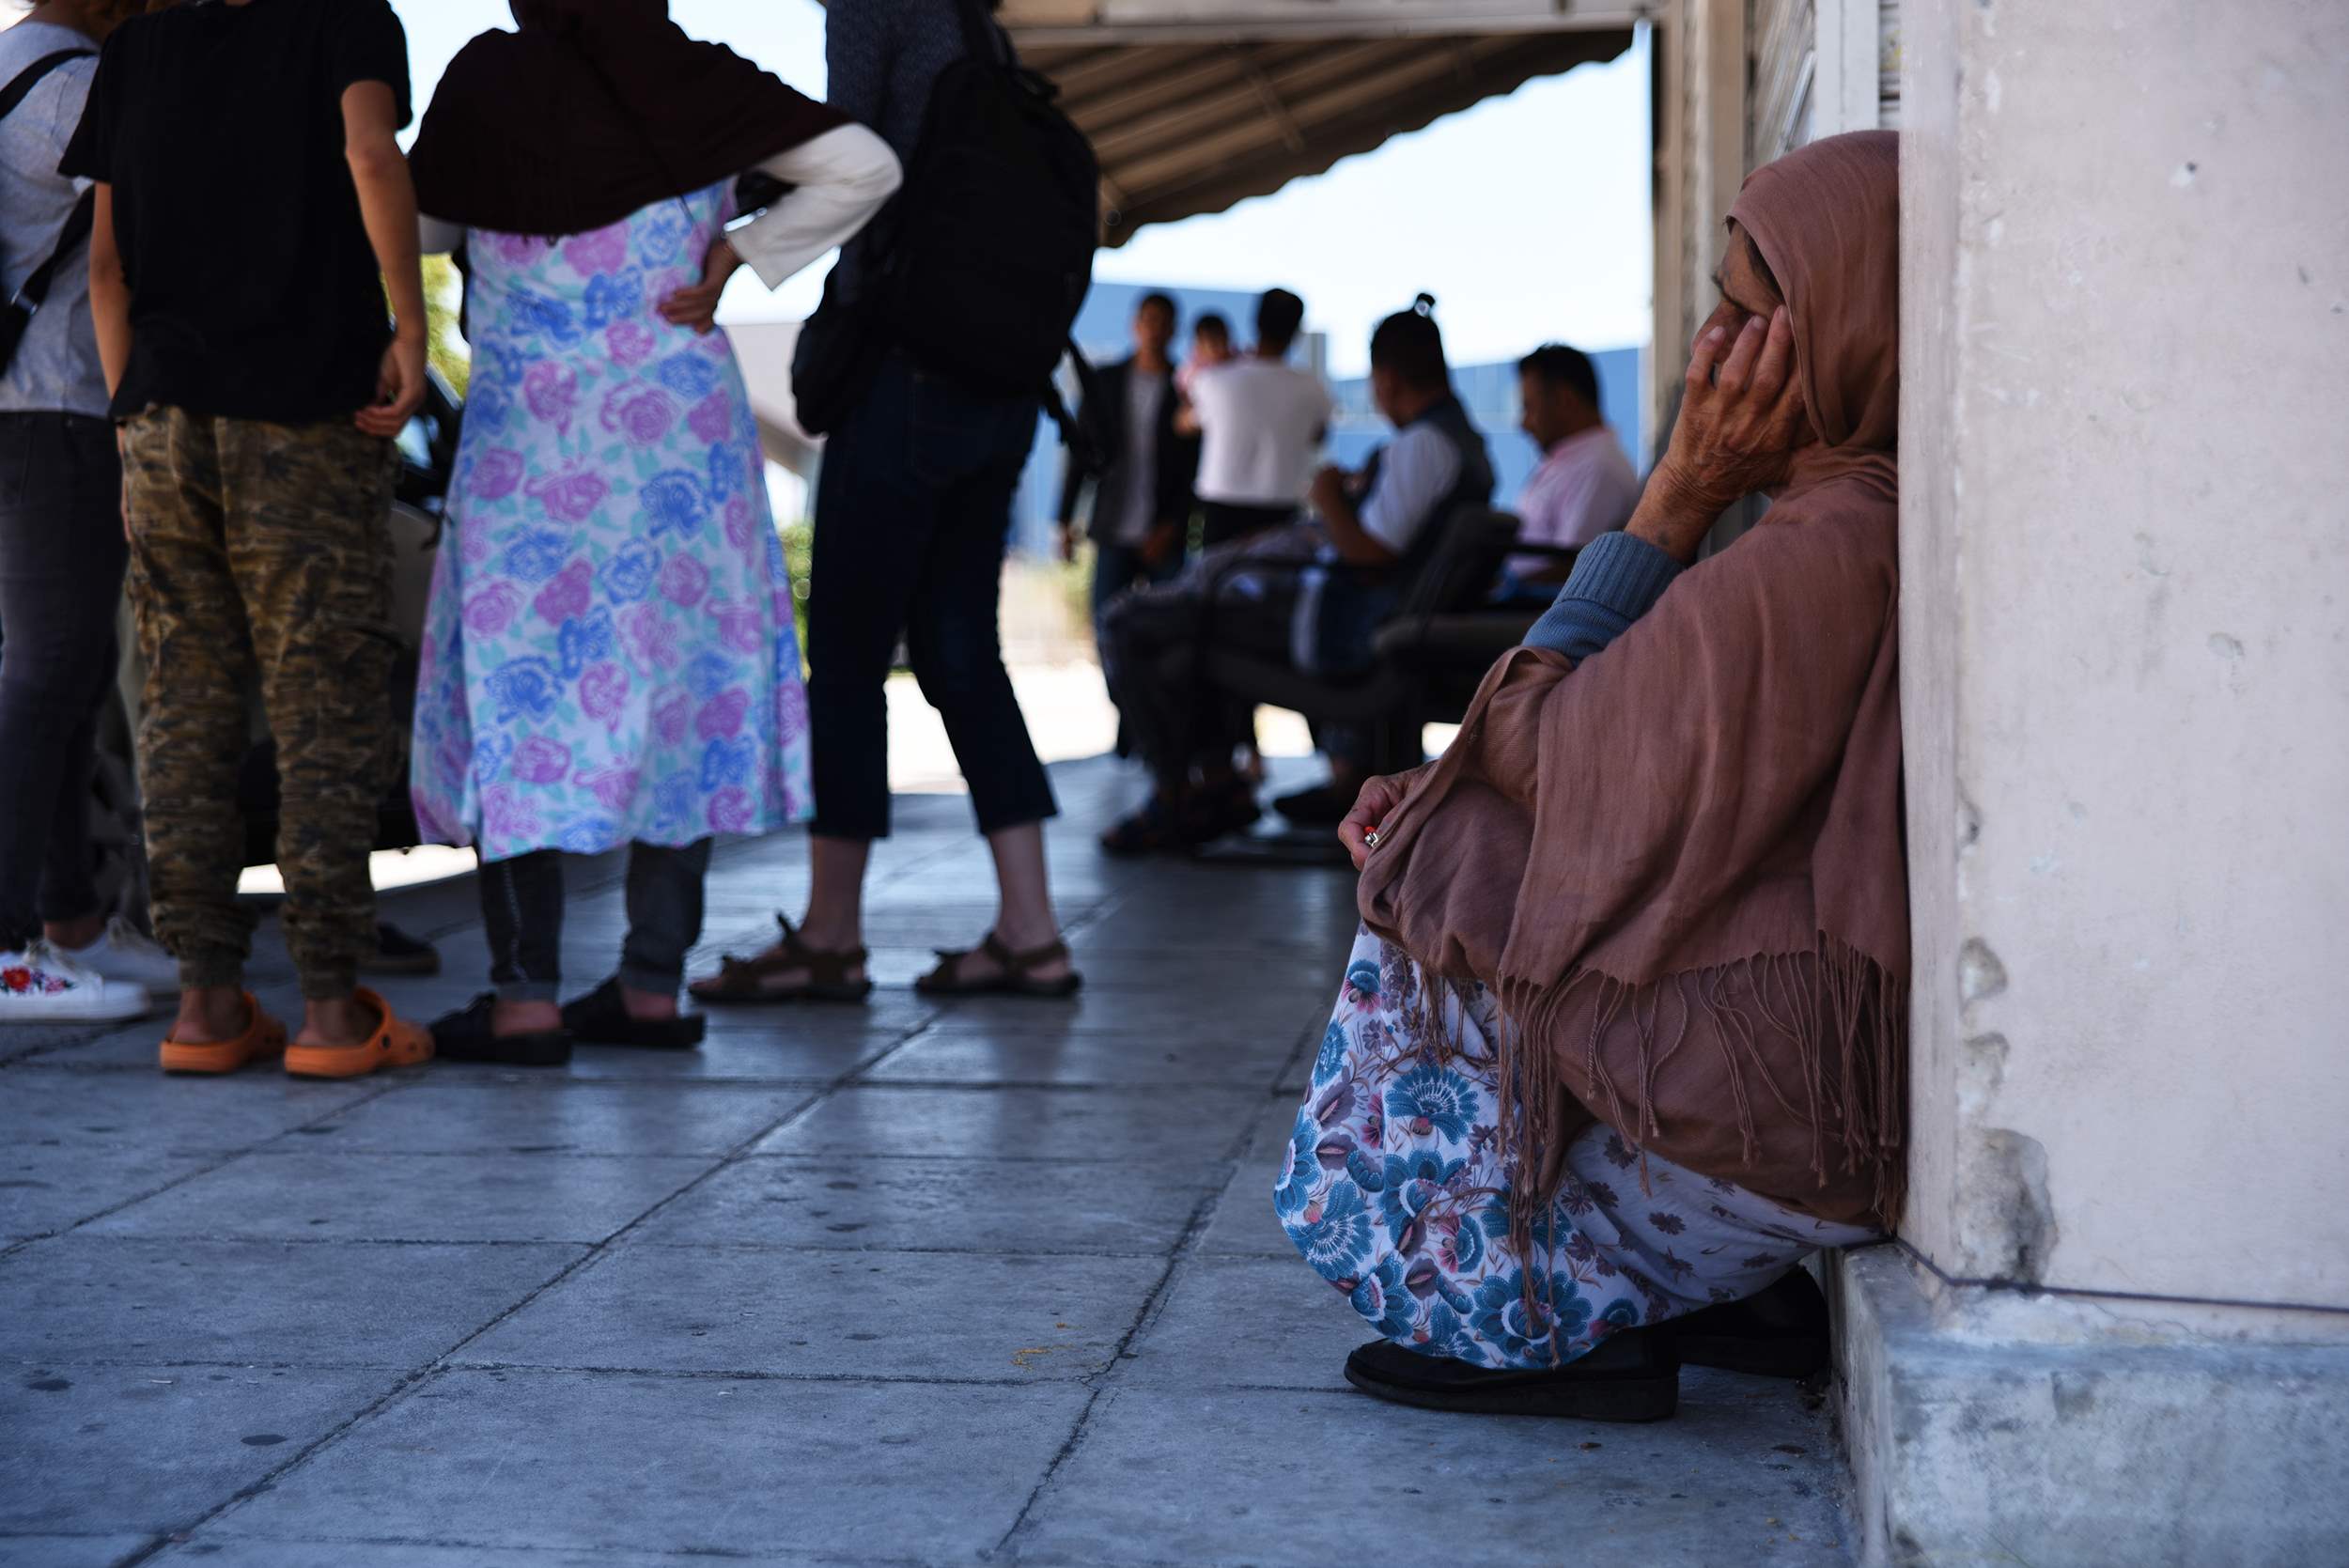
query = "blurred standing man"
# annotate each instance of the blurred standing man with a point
(1261, 422)
(1586, 484)
(61, 545)
(1142, 502)
(248, 189)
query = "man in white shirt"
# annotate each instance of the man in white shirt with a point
(1586, 484)
(1261, 422)
(1312, 595)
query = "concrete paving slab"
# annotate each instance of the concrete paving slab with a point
(361, 1196)
(845, 1314)
(1243, 1224)
(930, 1205)
(87, 1299)
(1247, 1323)
(687, 1464)
(67, 1551)
(1271, 1477)
(110, 1112)
(550, 1114)
(974, 1050)
(151, 1449)
(212, 1551)
(53, 1187)
(1146, 1012)
(1154, 1131)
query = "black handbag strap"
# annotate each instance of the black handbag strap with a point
(29, 78)
(34, 288)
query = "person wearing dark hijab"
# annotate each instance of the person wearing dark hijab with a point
(1624, 1039)
(610, 655)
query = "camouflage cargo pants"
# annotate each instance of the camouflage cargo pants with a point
(261, 552)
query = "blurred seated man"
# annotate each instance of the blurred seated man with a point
(1586, 484)
(1311, 594)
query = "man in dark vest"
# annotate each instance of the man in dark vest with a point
(1141, 503)
(1313, 594)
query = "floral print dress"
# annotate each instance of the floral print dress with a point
(1392, 1188)
(610, 652)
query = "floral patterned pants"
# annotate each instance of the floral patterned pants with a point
(1392, 1189)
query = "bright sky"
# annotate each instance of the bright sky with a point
(1527, 217)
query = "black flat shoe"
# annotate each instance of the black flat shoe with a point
(601, 1018)
(1629, 1376)
(466, 1035)
(1778, 1332)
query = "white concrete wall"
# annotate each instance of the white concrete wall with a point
(2125, 620)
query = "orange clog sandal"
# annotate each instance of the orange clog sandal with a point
(263, 1036)
(395, 1043)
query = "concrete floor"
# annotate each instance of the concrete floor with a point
(907, 1284)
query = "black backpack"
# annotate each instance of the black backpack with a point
(977, 267)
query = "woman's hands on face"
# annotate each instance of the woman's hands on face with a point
(1372, 807)
(696, 305)
(1741, 417)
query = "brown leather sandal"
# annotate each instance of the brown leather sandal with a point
(1013, 976)
(743, 981)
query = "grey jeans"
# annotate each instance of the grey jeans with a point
(521, 906)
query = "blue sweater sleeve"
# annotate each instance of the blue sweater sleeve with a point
(1617, 580)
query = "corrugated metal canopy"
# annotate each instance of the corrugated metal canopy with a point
(1186, 128)
(1196, 105)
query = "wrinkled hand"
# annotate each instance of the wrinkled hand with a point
(1741, 417)
(1372, 807)
(696, 305)
(398, 390)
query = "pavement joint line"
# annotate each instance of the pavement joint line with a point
(439, 1364)
(1100, 1384)
(226, 1160)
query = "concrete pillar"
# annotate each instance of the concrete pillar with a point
(2117, 1329)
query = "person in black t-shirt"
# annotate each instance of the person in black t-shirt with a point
(253, 208)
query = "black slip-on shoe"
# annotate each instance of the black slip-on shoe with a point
(1778, 1332)
(466, 1035)
(601, 1018)
(1629, 1376)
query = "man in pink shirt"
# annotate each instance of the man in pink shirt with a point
(1586, 484)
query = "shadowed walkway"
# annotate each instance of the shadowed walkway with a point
(989, 1280)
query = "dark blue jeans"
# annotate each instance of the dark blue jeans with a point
(911, 512)
(61, 560)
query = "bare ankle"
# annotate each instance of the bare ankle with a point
(335, 1021)
(74, 935)
(648, 1005)
(209, 1014)
(516, 1017)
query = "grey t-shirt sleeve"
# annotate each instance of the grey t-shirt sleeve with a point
(1617, 580)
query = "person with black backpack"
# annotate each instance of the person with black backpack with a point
(62, 550)
(941, 331)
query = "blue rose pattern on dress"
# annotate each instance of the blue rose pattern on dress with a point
(610, 651)
(1390, 1186)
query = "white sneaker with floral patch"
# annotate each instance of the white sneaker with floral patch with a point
(38, 986)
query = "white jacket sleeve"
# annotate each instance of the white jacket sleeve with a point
(841, 178)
